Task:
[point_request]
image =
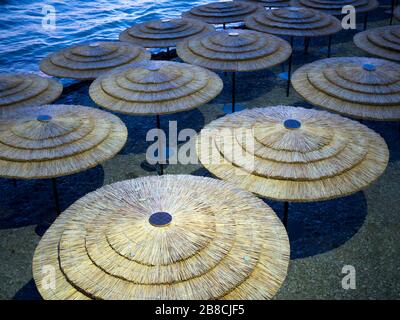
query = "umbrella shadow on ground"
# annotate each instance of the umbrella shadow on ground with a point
(138, 127)
(202, 172)
(28, 292)
(31, 202)
(319, 227)
(249, 85)
(390, 131)
(76, 93)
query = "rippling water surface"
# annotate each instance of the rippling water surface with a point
(24, 41)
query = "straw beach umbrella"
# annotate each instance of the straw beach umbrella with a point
(295, 22)
(292, 153)
(223, 12)
(155, 88)
(172, 237)
(46, 142)
(334, 7)
(88, 61)
(235, 51)
(383, 42)
(363, 88)
(26, 89)
(164, 33)
(269, 3)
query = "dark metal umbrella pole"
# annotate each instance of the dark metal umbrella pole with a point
(306, 44)
(329, 46)
(289, 69)
(285, 214)
(392, 6)
(233, 91)
(365, 20)
(55, 194)
(160, 152)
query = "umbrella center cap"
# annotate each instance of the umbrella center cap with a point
(369, 67)
(292, 124)
(44, 118)
(160, 219)
(233, 34)
(153, 68)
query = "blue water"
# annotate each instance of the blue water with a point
(24, 41)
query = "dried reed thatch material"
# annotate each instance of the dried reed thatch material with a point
(383, 42)
(56, 140)
(164, 33)
(293, 154)
(165, 237)
(334, 7)
(87, 62)
(223, 12)
(238, 50)
(295, 22)
(155, 88)
(363, 88)
(269, 3)
(25, 89)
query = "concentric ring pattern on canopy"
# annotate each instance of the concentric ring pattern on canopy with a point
(164, 33)
(221, 243)
(293, 154)
(223, 12)
(238, 50)
(88, 61)
(335, 7)
(364, 88)
(155, 87)
(25, 89)
(383, 42)
(269, 3)
(294, 21)
(56, 140)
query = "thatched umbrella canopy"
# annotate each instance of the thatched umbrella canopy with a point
(293, 154)
(164, 33)
(294, 22)
(88, 61)
(165, 238)
(334, 7)
(57, 140)
(363, 88)
(155, 87)
(25, 89)
(269, 3)
(223, 12)
(383, 42)
(236, 51)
